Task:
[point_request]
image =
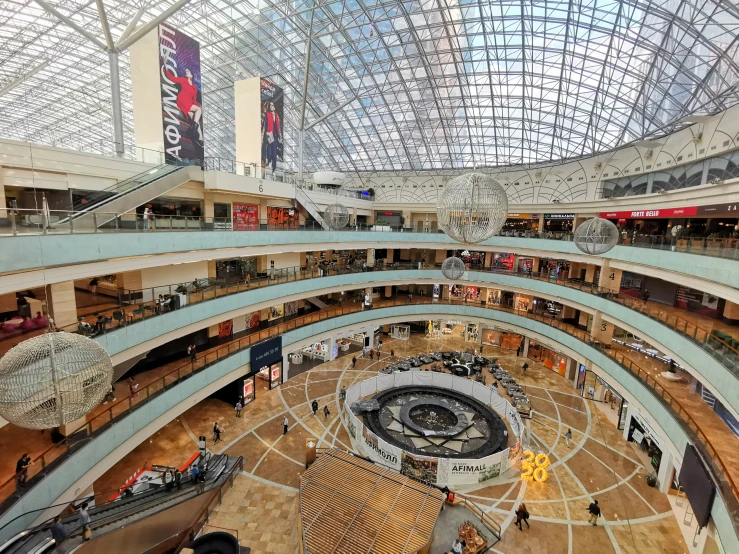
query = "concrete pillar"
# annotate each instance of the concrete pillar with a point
(583, 319)
(534, 264)
(302, 258)
(211, 269)
(488, 259)
(407, 215)
(571, 371)
(285, 366)
(371, 218)
(330, 343)
(388, 291)
(353, 220)
(609, 278)
(568, 312)
(526, 347)
(62, 304)
(665, 472)
(441, 256)
(262, 263)
(577, 221)
(72, 426)
(731, 311)
(389, 256)
(371, 257)
(590, 273)
(601, 330)
(329, 255)
(541, 223)
(4, 221)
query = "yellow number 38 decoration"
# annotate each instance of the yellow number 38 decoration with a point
(533, 466)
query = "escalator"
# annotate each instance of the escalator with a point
(99, 207)
(145, 517)
(308, 208)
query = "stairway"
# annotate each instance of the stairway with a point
(100, 207)
(309, 207)
(317, 303)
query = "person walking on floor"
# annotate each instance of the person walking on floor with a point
(524, 367)
(58, 533)
(519, 518)
(525, 514)
(314, 406)
(343, 394)
(392, 353)
(354, 362)
(594, 511)
(216, 433)
(238, 408)
(285, 424)
(378, 355)
(568, 437)
(326, 413)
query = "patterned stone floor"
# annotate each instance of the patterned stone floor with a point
(599, 464)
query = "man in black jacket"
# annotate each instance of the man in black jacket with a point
(594, 510)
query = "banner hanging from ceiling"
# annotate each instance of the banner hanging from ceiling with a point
(273, 100)
(181, 90)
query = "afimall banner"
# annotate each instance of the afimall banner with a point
(181, 90)
(272, 100)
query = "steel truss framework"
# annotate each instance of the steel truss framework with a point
(437, 84)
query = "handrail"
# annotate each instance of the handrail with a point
(485, 518)
(196, 524)
(701, 336)
(129, 221)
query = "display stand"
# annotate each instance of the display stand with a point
(400, 332)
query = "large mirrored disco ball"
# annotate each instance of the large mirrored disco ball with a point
(336, 216)
(596, 236)
(452, 268)
(472, 208)
(53, 379)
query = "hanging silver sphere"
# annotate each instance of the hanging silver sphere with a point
(472, 208)
(596, 236)
(336, 216)
(453, 268)
(53, 379)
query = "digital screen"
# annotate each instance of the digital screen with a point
(697, 484)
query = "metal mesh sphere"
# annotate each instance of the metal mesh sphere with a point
(596, 236)
(336, 216)
(452, 268)
(472, 208)
(53, 379)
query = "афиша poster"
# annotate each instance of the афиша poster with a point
(182, 99)
(273, 100)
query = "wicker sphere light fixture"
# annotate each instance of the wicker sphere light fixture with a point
(452, 268)
(596, 236)
(472, 208)
(336, 216)
(53, 379)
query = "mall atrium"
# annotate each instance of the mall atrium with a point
(362, 276)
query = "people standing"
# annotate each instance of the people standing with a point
(392, 353)
(594, 511)
(178, 479)
(285, 424)
(216, 433)
(145, 218)
(238, 408)
(58, 533)
(410, 297)
(326, 413)
(94, 286)
(168, 480)
(378, 355)
(568, 437)
(354, 362)
(132, 386)
(518, 351)
(371, 354)
(85, 520)
(193, 351)
(248, 280)
(21, 469)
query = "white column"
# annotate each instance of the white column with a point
(285, 366)
(526, 347)
(331, 341)
(665, 472)
(370, 257)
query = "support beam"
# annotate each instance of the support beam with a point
(122, 45)
(105, 26)
(307, 69)
(15, 82)
(117, 112)
(332, 112)
(64, 19)
(131, 24)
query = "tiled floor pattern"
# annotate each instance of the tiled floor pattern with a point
(599, 464)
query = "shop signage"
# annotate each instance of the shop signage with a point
(265, 353)
(651, 214)
(523, 216)
(245, 217)
(731, 209)
(559, 216)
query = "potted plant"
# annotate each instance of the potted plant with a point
(382, 225)
(652, 479)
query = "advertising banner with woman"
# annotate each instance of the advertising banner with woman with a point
(272, 98)
(181, 89)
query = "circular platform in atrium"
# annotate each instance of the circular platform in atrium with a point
(435, 421)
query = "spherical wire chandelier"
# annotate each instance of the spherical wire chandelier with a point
(336, 216)
(452, 268)
(53, 379)
(596, 236)
(472, 208)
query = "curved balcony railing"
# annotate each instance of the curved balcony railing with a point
(136, 305)
(43, 222)
(43, 464)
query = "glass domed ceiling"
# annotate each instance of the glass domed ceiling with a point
(419, 85)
